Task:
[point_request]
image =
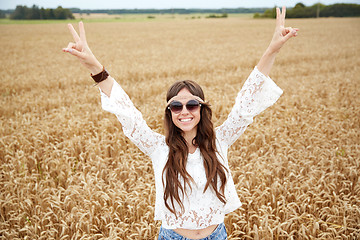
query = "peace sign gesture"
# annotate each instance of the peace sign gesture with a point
(282, 33)
(81, 50)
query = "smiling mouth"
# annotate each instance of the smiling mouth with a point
(185, 119)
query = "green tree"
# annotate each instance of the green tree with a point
(69, 14)
(301, 11)
(20, 12)
(299, 5)
(34, 13)
(316, 10)
(341, 10)
(270, 13)
(60, 13)
(42, 13)
(2, 14)
(23, 12)
(49, 12)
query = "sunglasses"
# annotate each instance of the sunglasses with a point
(176, 106)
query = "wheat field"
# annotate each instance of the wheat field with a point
(68, 172)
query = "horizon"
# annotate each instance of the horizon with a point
(163, 4)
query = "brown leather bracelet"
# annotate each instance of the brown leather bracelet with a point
(100, 76)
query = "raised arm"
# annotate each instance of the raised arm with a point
(80, 49)
(259, 91)
(113, 97)
(281, 35)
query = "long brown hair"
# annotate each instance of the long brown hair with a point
(178, 151)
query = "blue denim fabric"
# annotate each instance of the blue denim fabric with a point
(218, 234)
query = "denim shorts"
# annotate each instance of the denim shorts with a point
(218, 234)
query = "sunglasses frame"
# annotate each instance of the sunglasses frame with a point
(186, 106)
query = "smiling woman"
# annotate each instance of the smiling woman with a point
(194, 185)
(190, 95)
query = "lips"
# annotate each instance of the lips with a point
(185, 119)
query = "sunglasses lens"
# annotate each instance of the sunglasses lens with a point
(192, 105)
(176, 107)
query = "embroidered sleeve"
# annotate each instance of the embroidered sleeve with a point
(133, 124)
(258, 93)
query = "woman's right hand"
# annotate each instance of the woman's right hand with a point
(81, 50)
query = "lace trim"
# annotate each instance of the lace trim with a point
(132, 121)
(197, 219)
(258, 93)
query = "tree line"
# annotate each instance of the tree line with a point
(299, 11)
(169, 11)
(23, 12)
(316, 10)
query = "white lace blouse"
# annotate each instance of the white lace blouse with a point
(202, 209)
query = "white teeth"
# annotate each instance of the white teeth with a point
(185, 120)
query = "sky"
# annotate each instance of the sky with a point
(162, 4)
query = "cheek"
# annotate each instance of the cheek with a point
(198, 117)
(173, 118)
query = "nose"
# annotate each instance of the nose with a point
(184, 111)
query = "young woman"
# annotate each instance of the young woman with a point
(194, 187)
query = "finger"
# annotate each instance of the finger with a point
(76, 53)
(295, 30)
(82, 31)
(72, 51)
(291, 33)
(73, 32)
(278, 17)
(283, 13)
(71, 45)
(290, 29)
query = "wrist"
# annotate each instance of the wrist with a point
(102, 76)
(96, 68)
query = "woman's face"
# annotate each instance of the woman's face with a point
(186, 120)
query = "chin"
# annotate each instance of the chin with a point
(186, 129)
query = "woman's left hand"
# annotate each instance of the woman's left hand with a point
(282, 33)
